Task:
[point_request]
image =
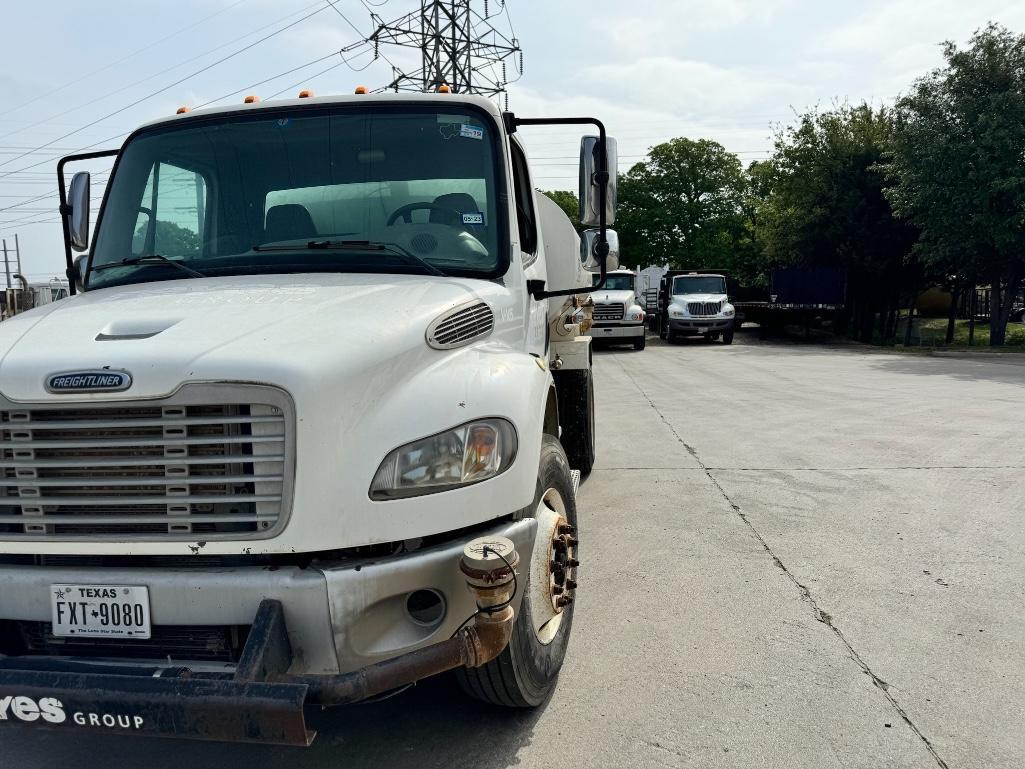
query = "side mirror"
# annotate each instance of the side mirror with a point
(590, 190)
(588, 248)
(78, 214)
(78, 274)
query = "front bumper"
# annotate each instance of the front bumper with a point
(617, 331)
(310, 630)
(695, 326)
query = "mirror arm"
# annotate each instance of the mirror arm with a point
(65, 209)
(601, 177)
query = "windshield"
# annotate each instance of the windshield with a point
(699, 284)
(215, 194)
(617, 282)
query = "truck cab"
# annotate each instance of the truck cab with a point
(695, 303)
(311, 425)
(618, 312)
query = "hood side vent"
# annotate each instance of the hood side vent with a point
(461, 325)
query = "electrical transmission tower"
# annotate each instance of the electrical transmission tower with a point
(460, 48)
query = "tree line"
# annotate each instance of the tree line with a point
(928, 192)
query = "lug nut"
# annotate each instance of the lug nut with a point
(565, 528)
(557, 589)
(559, 546)
(571, 541)
(572, 563)
(564, 600)
(571, 584)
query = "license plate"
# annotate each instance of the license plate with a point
(100, 611)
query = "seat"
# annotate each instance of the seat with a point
(460, 203)
(289, 221)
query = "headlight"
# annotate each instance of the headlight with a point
(635, 314)
(458, 457)
(728, 311)
(675, 311)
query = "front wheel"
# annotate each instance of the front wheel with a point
(727, 337)
(639, 342)
(526, 672)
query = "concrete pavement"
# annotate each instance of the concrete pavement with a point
(792, 557)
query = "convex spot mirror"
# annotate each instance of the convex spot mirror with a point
(590, 190)
(78, 215)
(589, 247)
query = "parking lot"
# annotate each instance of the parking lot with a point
(793, 556)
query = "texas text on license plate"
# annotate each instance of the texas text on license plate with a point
(100, 611)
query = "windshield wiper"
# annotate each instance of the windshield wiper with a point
(355, 245)
(147, 260)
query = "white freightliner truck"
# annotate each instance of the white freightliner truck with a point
(304, 435)
(618, 312)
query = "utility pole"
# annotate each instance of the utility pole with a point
(460, 48)
(7, 264)
(17, 251)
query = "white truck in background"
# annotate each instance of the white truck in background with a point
(695, 303)
(304, 433)
(618, 312)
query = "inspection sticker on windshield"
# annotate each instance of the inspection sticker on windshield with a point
(475, 218)
(471, 132)
(103, 611)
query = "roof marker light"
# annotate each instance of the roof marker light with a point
(181, 110)
(444, 88)
(306, 93)
(251, 99)
(361, 89)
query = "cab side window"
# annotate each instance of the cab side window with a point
(526, 216)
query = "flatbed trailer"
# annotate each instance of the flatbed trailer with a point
(773, 317)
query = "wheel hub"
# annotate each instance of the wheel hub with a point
(562, 566)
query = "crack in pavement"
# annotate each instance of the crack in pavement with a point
(706, 468)
(820, 615)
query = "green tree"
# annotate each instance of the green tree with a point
(957, 163)
(169, 239)
(684, 206)
(568, 202)
(821, 201)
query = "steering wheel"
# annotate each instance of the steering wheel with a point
(406, 212)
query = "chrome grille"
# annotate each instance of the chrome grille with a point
(608, 311)
(163, 470)
(461, 326)
(704, 308)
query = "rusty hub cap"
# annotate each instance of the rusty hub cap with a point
(562, 565)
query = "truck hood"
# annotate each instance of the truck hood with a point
(626, 297)
(699, 297)
(279, 329)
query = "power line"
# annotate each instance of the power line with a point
(124, 58)
(308, 79)
(164, 89)
(122, 89)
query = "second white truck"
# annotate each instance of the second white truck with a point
(618, 313)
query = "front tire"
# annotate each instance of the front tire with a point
(526, 672)
(640, 342)
(575, 391)
(727, 337)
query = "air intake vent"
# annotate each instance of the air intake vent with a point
(424, 243)
(461, 325)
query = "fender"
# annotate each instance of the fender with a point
(483, 380)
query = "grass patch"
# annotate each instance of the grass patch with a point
(933, 333)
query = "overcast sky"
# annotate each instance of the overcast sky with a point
(652, 69)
